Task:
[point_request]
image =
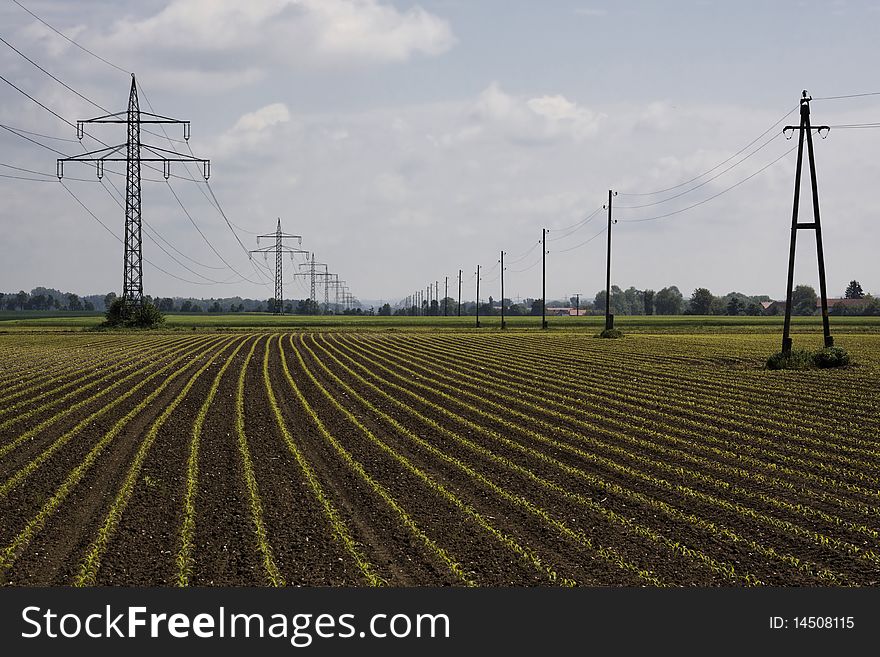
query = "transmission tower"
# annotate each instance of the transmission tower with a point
(132, 279)
(313, 275)
(806, 130)
(279, 249)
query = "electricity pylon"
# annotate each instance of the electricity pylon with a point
(805, 130)
(278, 249)
(132, 280)
(312, 264)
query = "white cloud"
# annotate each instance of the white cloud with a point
(263, 118)
(254, 129)
(218, 35)
(535, 120)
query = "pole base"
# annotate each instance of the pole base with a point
(609, 322)
(786, 345)
(503, 325)
(544, 324)
(478, 324)
(829, 341)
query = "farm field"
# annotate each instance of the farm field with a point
(38, 321)
(370, 457)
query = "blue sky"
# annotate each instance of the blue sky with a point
(407, 140)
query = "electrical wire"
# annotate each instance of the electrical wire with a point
(855, 125)
(93, 54)
(119, 239)
(51, 111)
(49, 176)
(720, 164)
(39, 134)
(702, 184)
(33, 141)
(585, 242)
(714, 196)
(67, 38)
(870, 93)
(195, 225)
(531, 266)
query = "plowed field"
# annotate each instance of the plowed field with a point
(414, 458)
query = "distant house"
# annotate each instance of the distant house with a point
(562, 311)
(778, 307)
(843, 303)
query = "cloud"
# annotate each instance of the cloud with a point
(529, 120)
(253, 130)
(219, 35)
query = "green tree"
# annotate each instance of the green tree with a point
(803, 300)
(21, 299)
(668, 301)
(74, 302)
(701, 301)
(108, 300)
(385, 310)
(854, 290)
(734, 306)
(648, 301)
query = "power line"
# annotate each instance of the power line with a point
(207, 241)
(720, 164)
(33, 141)
(67, 38)
(93, 54)
(215, 202)
(855, 125)
(705, 182)
(585, 242)
(571, 230)
(48, 109)
(714, 196)
(119, 239)
(524, 254)
(61, 82)
(870, 93)
(50, 176)
(40, 134)
(51, 111)
(531, 266)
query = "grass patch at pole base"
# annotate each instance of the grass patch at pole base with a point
(610, 333)
(802, 359)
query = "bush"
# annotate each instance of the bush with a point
(831, 357)
(123, 315)
(796, 359)
(610, 333)
(801, 359)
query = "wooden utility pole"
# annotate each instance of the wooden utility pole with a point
(543, 278)
(609, 318)
(503, 324)
(478, 296)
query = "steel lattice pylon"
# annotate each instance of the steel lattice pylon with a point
(132, 283)
(132, 279)
(279, 249)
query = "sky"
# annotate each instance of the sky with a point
(405, 141)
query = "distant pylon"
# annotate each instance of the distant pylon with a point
(278, 249)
